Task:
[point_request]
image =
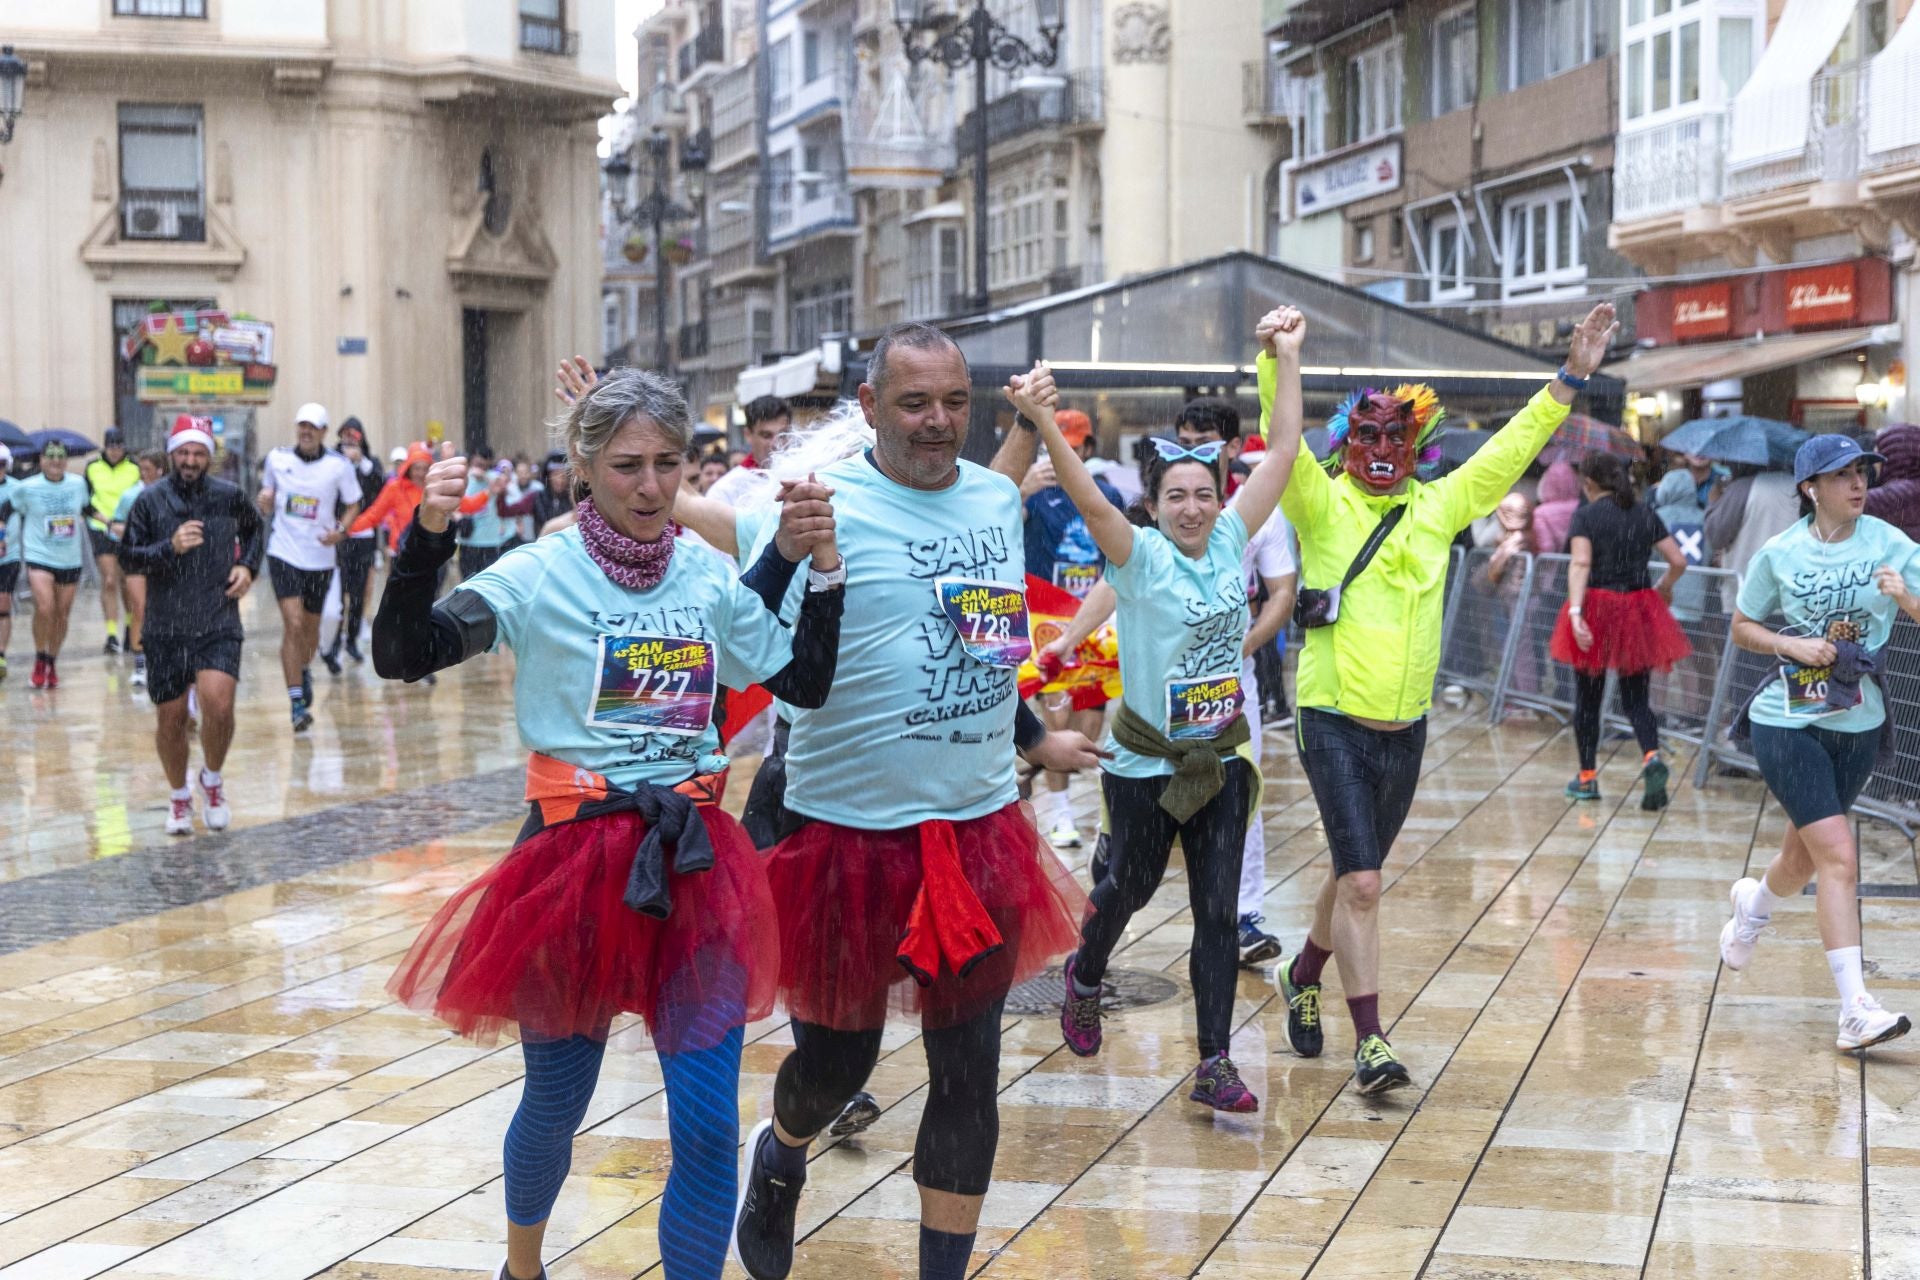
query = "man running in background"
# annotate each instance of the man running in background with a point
(199, 544)
(108, 478)
(301, 488)
(768, 418)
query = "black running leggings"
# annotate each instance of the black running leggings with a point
(356, 570)
(1589, 692)
(1213, 840)
(960, 1125)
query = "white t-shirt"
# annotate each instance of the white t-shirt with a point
(305, 498)
(1269, 552)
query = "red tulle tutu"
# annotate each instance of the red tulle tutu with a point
(845, 896)
(1633, 631)
(544, 940)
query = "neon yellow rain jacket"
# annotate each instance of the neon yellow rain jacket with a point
(1379, 660)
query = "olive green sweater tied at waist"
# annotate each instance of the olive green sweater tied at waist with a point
(1199, 767)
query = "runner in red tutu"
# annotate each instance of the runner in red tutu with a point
(916, 880)
(628, 890)
(1615, 621)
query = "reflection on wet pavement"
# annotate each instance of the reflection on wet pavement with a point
(201, 1074)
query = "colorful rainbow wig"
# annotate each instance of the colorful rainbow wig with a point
(1414, 403)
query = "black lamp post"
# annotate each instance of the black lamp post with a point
(656, 209)
(13, 92)
(979, 39)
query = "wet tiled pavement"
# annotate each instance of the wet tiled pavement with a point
(209, 1080)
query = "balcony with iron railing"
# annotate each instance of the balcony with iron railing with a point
(1264, 92)
(549, 36)
(1836, 109)
(707, 51)
(1079, 102)
(154, 213)
(801, 209)
(826, 94)
(1670, 168)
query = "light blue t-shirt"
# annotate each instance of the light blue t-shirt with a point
(125, 505)
(51, 522)
(610, 679)
(489, 529)
(1181, 623)
(10, 530)
(915, 729)
(1814, 584)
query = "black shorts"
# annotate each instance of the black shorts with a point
(174, 661)
(9, 579)
(309, 584)
(1363, 781)
(104, 543)
(64, 577)
(1815, 773)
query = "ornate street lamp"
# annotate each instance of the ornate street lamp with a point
(979, 39)
(656, 209)
(13, 92)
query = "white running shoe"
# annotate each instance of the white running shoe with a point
(1064, 836)
(215, 813)
(1867, 1024)
(139, 670)
(1741, 932)
(180, 818)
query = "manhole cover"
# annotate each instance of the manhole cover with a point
(1123, 989)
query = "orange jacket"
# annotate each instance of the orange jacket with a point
(394, 508)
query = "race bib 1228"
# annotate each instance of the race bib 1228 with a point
(991, 618)
(1197, 710)
(654, 684)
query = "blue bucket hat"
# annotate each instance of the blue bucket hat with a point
(1828, 453)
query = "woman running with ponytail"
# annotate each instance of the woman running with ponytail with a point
(628, 890)
(1180, 766)
(1615, 621)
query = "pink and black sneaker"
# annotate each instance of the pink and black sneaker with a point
(1079, 1016)
(1217, 1083)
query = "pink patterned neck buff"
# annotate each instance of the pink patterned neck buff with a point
(638, 566)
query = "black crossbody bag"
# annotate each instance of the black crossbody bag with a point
(1313, 608)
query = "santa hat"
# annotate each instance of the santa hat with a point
(188, 429)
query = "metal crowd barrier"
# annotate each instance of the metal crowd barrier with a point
(1494, 641)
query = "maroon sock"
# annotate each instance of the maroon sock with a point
(1309, 962)
(1366, 1016)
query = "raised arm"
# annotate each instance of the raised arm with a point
(1477, 487)
(1035, 396)
(711, 518)
(1018, 451)
(1281, 331)
(412, 636)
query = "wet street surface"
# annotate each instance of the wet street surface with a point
(201, 1075)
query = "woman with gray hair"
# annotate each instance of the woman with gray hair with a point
(629, 890)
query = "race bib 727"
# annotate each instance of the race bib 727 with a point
(654, 684)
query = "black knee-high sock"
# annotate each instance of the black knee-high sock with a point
(944, 1255)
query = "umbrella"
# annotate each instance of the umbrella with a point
(1579, 436)
(14, 438)
(1757, 442)
(73, 440)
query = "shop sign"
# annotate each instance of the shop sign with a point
(1822, 295)
(1703, 311)
(200, 355)
(1354, 175)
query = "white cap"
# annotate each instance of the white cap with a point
(6, 457)
(314, 414)
(399, 454)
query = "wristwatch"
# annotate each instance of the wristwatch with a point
(834, 577)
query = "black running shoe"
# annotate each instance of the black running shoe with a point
(112, 646)
(1654, 798)
(763, 1227)
(332, 661)
(859, 1117)
(1304, 1031)
(1377, 1068)
(353, 652)
(1257, 946)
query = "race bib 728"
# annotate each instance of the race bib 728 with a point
(991, 618)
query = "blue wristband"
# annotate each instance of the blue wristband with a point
(1578, 384)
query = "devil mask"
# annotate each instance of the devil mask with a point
(1382, 438)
